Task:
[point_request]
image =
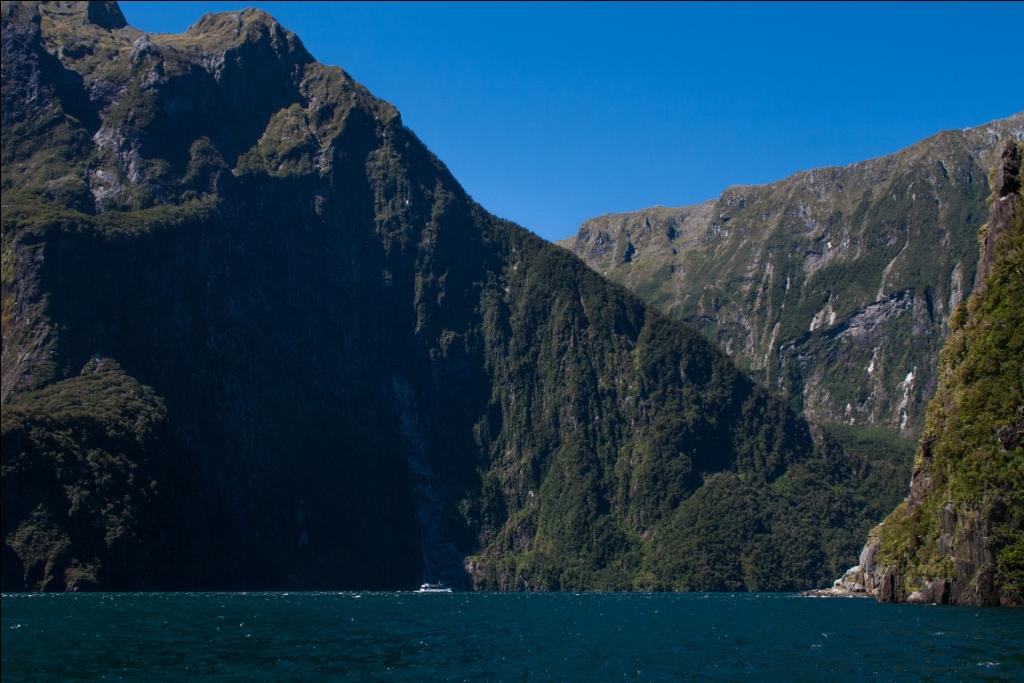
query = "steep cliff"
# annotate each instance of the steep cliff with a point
(959, 536)
(835, 285)
(256, 335)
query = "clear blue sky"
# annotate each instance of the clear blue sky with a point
(551, 114)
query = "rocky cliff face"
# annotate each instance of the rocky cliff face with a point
(959, 536)
(835, 285)
(256, 335)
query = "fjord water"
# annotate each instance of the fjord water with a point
(490, 636)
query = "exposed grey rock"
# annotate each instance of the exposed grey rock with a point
(954, 538)
(812, 279)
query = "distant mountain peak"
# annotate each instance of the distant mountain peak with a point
(221, 29)
(798, 278)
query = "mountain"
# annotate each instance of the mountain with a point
(255, 335)
(959, 536)
(835, 286)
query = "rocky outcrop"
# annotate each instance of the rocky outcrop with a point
(958, 537)
(835, 285)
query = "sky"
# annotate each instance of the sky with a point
(549, 114)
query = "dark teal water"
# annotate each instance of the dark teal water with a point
(502, 637)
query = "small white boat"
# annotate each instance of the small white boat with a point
(434, 588)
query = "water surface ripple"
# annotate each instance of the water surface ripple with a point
(501, 637)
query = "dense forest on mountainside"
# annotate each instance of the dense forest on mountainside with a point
(255, 335)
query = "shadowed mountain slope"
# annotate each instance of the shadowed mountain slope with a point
(255, 335)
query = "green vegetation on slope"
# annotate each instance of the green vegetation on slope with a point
(365, 379)
(85, 463)
(964, 520)
(835, 285)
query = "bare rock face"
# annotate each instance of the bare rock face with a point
(864, 579)
(1005, 205)
(836, 285)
